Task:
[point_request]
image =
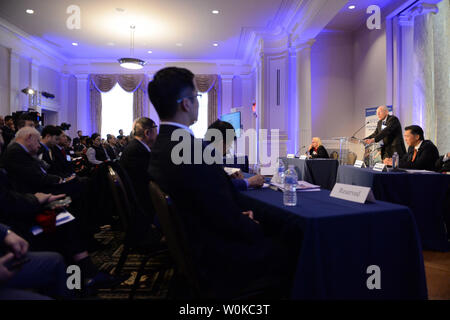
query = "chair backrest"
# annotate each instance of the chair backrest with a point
(120, 197)
(351, 158)
(175, 236)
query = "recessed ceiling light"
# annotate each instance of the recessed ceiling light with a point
(352, 7)
(149, 51)
(179, 44)
(110, 44)
(215, 12)
(120, 9)
(215, 44)
(74, 44)
(29, 11)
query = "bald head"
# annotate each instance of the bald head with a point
(29, 138)
(382, 112)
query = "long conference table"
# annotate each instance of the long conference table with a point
(426, 194)
(340, 240)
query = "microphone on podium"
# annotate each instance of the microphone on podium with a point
(299, 150)
(353, 135)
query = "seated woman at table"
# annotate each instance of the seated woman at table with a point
(317, 150)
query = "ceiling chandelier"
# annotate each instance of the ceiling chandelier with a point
(131, 63)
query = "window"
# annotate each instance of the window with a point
(199, 128)
(117, 111)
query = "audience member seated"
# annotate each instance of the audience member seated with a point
(120, 136)
(8, 130)
(43, 271)
(62, 159)
(21, 211)
(316, 150)
(222, 135)
(111, 148)
(77, 139)
(135, 160)
(96, 153)
(229, 247)
(422, 154)
(443, 163)
(49, 138)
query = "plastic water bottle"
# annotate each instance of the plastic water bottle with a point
(395, 160)
(290, 187)
(280, 172)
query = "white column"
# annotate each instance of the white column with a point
(304, 93)
(227, 93)
(63, 114)
(292, 102)
(34, 80)
(83, 110)
(14, 83)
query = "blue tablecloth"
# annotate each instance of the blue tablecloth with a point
(425, 194)
(341, 240)
(321, 172)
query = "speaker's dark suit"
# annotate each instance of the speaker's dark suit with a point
(26, 172)
(135, 160)
(230, 250)
(426, 157)
(391, 136)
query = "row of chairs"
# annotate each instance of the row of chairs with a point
(176, 240)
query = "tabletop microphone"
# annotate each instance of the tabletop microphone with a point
(353, 135)
(300, 150)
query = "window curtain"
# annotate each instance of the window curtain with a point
(134, 83)
(209, 83)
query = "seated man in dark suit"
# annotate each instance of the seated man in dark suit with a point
(62, 162)
(422, 154)
(49, 138)
(222, 141)
(388, 133)
(443, 163)
(135, 160)
(110, 146)
(230, 250)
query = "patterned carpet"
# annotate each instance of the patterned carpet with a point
(154, 284)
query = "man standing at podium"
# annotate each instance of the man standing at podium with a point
(388, 134)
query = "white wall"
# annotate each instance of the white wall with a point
(332, 85)
(4, 81)
(369, 65)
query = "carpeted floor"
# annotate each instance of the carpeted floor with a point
(154, 284)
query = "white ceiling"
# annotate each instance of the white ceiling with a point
(160, 24)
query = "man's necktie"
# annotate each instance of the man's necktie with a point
(414, 155)
(63, 152)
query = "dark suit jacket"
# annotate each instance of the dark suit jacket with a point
(135, 160)
(229, 249)
(321, 153)
(26, 172)
(62, 167)
(442, 166)
(426, 157)
(392, 137)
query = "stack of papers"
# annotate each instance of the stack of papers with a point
(418, 171)
(301, 186)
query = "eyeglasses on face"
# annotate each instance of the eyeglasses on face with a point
(198, 95)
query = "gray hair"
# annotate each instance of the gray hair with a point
(384, 108)
(24, 132)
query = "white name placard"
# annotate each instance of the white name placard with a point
(303, 157)
(359, 164)
(379, 167)
(352, 193)
(291, 156)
